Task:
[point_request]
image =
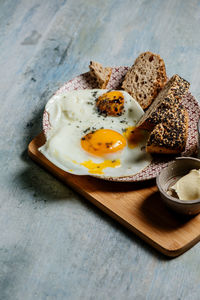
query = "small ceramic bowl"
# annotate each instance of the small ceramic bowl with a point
(168, 177)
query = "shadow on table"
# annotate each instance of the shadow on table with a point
(48, 189)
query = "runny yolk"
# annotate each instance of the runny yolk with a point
(133, 136)
(111, 103)
(97, 168)
(102, 142)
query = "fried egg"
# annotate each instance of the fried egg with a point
(92, 132)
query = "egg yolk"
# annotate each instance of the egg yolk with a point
(111, 103)
(102, 142)
(97, 168)
(133, 136)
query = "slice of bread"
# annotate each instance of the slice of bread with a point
(101, 74)
(170, 137)
(145, 78)
(166, 103)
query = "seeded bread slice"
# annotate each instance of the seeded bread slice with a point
(166, 103)
(145, 78)
(101, 74)
(170, 137)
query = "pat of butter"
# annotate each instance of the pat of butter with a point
(188, 186)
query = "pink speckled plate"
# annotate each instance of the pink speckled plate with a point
(85, 81)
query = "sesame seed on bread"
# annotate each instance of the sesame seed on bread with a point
(145, 78)
(170, 137)
(101, 74)
(167, 119)
(166, 103)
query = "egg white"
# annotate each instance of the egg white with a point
(74, 114)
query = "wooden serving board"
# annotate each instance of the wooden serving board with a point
(137, 206)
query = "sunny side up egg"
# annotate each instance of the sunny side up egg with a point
(93, 133)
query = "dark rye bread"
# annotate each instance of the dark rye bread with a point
(166, 103)
(145, 78)
(170, 137)
(101, 74)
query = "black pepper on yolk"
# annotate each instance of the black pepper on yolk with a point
(106, 141)
(111, 103)
(103, 142)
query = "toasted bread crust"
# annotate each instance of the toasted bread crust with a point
(101, 74)
(166, 103)
(145, 78)
(167, 119)
(170, 137)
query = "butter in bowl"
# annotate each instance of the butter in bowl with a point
(179, 185)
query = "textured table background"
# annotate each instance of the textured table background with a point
(53, 243)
